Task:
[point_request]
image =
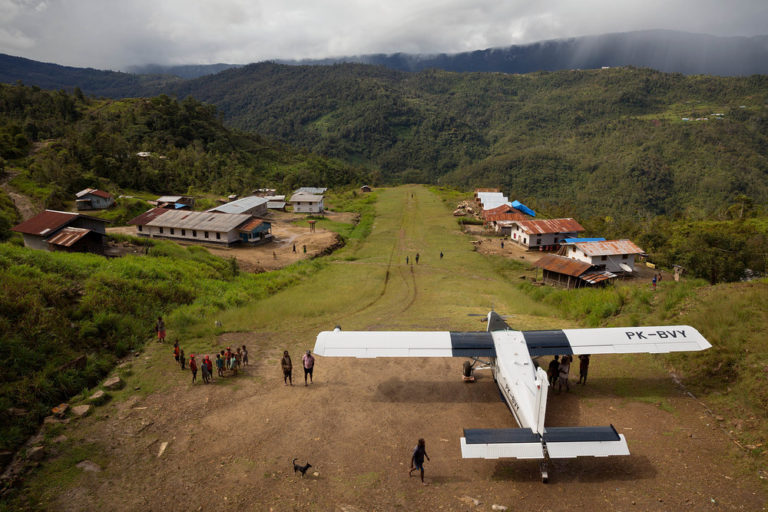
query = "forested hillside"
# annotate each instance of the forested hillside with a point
(62, 143)
(613, 142)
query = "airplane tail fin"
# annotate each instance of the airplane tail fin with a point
(560, 443)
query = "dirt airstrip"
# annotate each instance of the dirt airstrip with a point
(231, 444)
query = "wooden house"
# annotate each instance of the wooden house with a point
(567, 273)
(93, 199)
(54, 230)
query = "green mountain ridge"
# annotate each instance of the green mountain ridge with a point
(604, 141)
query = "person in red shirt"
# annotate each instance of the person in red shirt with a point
(208, 363)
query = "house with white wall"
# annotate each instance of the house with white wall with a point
(543, 234)
(610, 255)
(203, 227)
(306, 203)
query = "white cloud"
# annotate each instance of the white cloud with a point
(112, 34)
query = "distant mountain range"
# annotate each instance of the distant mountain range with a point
(663, 50)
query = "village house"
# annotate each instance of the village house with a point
(491, 200)
(264, 192)
(252, 205)
(365, 188)
(306, 203)
(53, 230)
(93, 199)
(206, 227)
(275, 202)
(610, 255)
(175, 202)
(544, 234)
(317, 191)
(568, 273)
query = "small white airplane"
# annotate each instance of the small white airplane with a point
(510, 355)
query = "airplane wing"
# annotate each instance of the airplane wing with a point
(561, 442)
(615, 340)
(404, 344)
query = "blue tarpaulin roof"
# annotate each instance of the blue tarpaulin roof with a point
(520, 206)
(577, 240)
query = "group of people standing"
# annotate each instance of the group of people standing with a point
(225, 360)
(307, 362)
(559, 368)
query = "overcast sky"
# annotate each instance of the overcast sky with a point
(112, 34)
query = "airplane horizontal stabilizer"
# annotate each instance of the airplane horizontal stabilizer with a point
(404, 344)
(570, 442)
(489, 443)
(615, 340)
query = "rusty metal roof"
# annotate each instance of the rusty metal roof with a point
(504, 208)
(67, 237)
(562, 265)
(504, 216)
(46, 222)
(93, 191)
(541, 226)
(148, 216)
(597, 276)
(609, 248)
(252, 224)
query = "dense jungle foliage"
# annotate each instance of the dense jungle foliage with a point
(608, 141)
(62, 143)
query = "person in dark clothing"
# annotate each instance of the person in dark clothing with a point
(287, 365)
(417, 459)
(182, 361)
(417, 258)
(193, 367)
(441, 254)
(583, 368)
(554, 370)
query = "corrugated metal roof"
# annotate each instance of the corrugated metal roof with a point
(504, 217)
(310, 190)
(45, 222)
(169, 199)
(504, 208)
(241, 205)
(577, 240)
(491, 200)
(275, 198)
(253, 224)
(541, 226)
(562, 265)
(203, 221)
(68, 236)
(148, 216)
(597, 276)
(94, 191)
(305, 198)
(609, 248)
(276, 205)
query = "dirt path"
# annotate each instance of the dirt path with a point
(230, 444)
(27, 209)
